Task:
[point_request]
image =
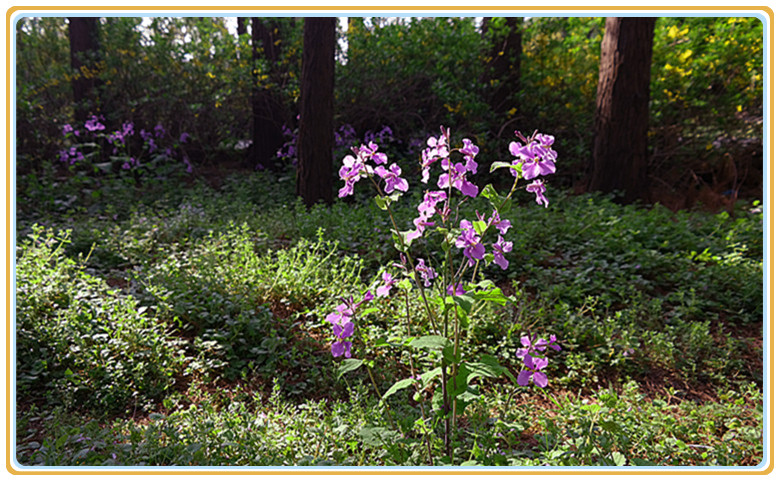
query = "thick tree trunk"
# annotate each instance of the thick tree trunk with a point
(267, 105)
(85, 51)
(316, 125)
(619, 156)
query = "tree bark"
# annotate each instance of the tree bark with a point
(619, 155)
(85, 52)
(267, 105)
(315, 143)
(502, 69)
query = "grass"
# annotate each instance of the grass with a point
(179, 324)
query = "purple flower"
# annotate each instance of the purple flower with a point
(66, 129)
(388, 282)
(148, 139)
(392, 179)
(159, 131)
(371, 153)
(502, 224)
(93, 124)
(500, 248)
(342, 325)
(540, 345)
(471, 242)
(426, 210)
(456, 177)
(534, 367)
(352, 170)
(127, 128)
(438, 149)
(535, 160)
(538, 188)
(427, 273)
(340, 348)
(457, 292)
(470, 150)
(183, 137)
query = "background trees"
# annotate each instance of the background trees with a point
(85, 62)
(409, 76)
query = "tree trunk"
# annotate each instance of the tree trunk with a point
(267, 105)
(502, 69)
(241, 27)
(315, 143)
(85, 51)
(619, 156)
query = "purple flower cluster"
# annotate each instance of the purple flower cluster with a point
(357, 166)
(537, 158)
(93, 124)
(342, 324)
(119, 140)
(534, 361)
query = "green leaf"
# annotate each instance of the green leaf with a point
(497, 165)
(641, 462)
(377, 436)
(369, 311)
(480, 227)
(401, 245)
(619, 459)
(348, 365)
(429, 341)
(427, 377)
(400, 385)
(465, 301)
(382, 202)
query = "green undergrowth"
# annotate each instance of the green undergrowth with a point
(154, 327)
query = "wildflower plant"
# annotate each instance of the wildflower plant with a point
(126, 147)
(448, 289)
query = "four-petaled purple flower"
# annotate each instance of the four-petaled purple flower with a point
(353, 168)
(534, 367)
(455, 292)
(500, 248)
(470, 150)
(471, 242)
(456, 176)
(370, 152)
(392, 178)
(538, 187)
(427, 273)
(388, 282)
(534, 361)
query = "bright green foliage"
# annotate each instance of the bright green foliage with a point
(417, 72)
(79, 342)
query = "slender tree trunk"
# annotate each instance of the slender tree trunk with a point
(503, 67)
(85, 51)
(241, 26)
(619, 156)
(315, 143)
(267, 105)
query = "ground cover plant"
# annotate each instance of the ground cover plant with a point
(197, 327)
